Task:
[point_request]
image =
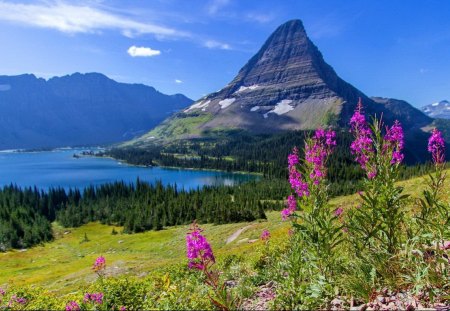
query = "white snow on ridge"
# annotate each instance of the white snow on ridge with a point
(435, 104)
(200, 104)
(255, 108)
(245, 88)
(283, 107)
(226, 102)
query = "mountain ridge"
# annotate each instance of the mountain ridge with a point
(286, 85)
(78, 109)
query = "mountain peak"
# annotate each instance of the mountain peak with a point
(286, 85)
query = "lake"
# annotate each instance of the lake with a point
(58, 168)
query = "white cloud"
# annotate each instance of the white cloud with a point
(140, 51)
(260, 18)
(215, 5)
(178, 81)
(70, 18)
(212, 44)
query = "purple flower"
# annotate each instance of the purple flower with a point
(2, 291)
(291, 204)
(297, 184)
(436, 145)
(317, 151)
(338, 212)
(123, 308)
(293, 158)
(265, 235)
(93, 297)
(362, 146)
(372, 174)
(99, 264)
(72, 306)
(199, 252)
(394, 142)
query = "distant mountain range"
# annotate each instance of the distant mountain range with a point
(438, 110)
(78, 109)
(287, 85)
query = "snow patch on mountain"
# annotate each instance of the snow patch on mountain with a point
(226, 102)
(199, 105)
(246, 88)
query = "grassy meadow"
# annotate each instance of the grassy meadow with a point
(64, 264)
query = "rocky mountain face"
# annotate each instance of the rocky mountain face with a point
(439, 110)
(78, 109)
(287, 85)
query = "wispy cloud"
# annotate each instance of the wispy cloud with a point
(260, 17)
(135, 51)
(70, 18)
(216, 5)
(213, 44)
(178, 81)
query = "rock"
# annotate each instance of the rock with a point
(287, 85)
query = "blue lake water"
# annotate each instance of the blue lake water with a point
(59, 168)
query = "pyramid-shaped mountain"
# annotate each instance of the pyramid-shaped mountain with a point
(287, 85)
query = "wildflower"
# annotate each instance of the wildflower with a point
(199, 252)
(2, 291)
(338, 212)
(123, 308)
(293, 158)
(317, 151)
(345, 229)
(291, 204)
(99, 264)
(297, 183)
(394, 141)
(436, 145)
(93, 297)
(361, 147)
(72, 306)
(265, 235)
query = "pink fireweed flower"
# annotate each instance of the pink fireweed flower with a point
(96, 298)
(99, 264)
(72, 306)
(338, 212)
(317, 151)
(2, 292)
(394, 141)
(436, 145)
(291, 206)
(293, 158)
(123, 308)
(361, 147)
(265, 235)
(199, 252)
(297, 184)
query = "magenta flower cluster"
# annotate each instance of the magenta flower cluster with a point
(72, 306)
(362, 147)
(394, 142)
(2, 291)
(199, 252)
(265, 235)
(96, 298)
(317, 151)
(436, 145)
(338, 212)
(99, 264)
(291, 207)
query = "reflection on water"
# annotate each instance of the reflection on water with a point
(60, 169)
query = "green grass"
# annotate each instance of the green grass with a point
(176, 127)
(65, 264)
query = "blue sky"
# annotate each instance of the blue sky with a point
(389, 48)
